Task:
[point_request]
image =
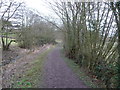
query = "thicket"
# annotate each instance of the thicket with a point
(36, 35)
(23, 25)
(34, 30)
(90, 37)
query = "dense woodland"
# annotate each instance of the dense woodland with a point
(90, 33)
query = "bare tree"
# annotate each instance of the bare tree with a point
(8, 10)
(115, 6)
(36, 31)
(90, 36)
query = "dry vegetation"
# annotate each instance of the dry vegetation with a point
(90, 32)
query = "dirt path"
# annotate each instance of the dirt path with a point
(57, 74)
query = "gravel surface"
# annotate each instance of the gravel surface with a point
(57, 74)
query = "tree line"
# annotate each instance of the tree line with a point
(91, 33)
(23, 25)
(91, 36)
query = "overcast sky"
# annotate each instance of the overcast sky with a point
(43, 8)
(39, 5)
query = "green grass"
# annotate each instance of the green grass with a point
(81, 74)
(13, 43)
(33, 76)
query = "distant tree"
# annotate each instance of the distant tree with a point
(35, 31)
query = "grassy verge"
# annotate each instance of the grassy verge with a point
(33, 75)
(79, 72)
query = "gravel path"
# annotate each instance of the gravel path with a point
(57, 74)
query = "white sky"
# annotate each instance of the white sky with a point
(37, 4)
(40, 6)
